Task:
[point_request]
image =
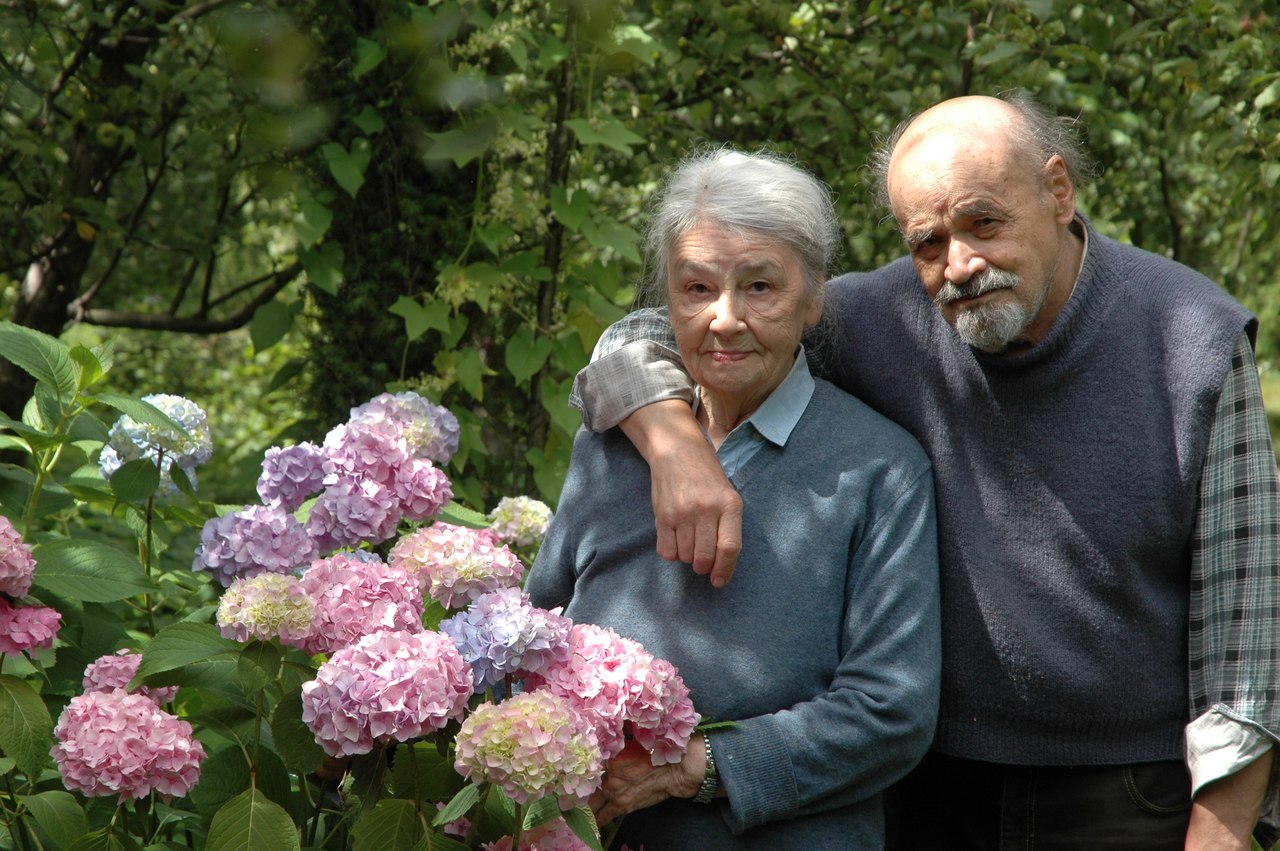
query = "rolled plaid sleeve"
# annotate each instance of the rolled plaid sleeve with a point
(635, 363)
(1234, 642)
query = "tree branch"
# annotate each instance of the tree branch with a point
(197, 324)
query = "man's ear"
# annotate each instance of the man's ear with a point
(1058, 186)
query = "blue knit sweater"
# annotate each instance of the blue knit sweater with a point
(1067, 482)
(824, 648)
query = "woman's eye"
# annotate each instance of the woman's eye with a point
(758, 286)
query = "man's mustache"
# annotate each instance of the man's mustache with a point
(983, 282)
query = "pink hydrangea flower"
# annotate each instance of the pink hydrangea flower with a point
(620, 687)
(115, 670)
(256, 539)
(369, 449)
(554, 835)
(266, 607)
(290, 474)
(421, 488)
(17, 565)
(116, 743)
(431, 431)
(454, 564)
(351, 512)
(388, 685)
(532, 745)
(25, 628)
(520, 520)
(354, 598)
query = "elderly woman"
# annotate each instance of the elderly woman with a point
(823, 651)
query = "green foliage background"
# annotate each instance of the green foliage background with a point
(447, 195)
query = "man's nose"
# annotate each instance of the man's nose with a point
(963, 262)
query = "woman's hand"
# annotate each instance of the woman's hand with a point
(632, 782)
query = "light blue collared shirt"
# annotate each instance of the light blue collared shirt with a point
(772, 421)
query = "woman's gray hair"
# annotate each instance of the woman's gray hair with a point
(1039, 134)
(758, 193)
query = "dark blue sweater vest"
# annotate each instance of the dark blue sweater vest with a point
(1066, 482)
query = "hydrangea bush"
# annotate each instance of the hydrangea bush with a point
(348, 663)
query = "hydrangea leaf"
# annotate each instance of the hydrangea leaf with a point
(59, 815)
(392, 825)
(259, 665)
(143, 412)
(44, 358)
(25, 725)
(459, 805)
(425, 775)
(182, 644)
(89, 571)
(250, 822)
(541, 811)
(225, 775)
(136, 480)
(102, 839)
(583, 824)
(294, 740)
(460, 515)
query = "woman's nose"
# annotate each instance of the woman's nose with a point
(728, 312)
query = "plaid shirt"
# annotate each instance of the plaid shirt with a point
(1234, 629)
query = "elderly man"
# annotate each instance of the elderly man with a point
(1109, 521)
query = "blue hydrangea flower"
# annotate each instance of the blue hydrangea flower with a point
(502, 633)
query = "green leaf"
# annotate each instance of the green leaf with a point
(583, 824)
(419, 318)
(43, 357)
(294, 739)
(461, 146)
(136, 480)
(91, 370)
(613, 235)
(606, 131)
(25, 726)
(570, 213)
(471, 372)
(541, 811)
(59, 815)
(225, 774)
(89, 571)
(142, 412)
(102, 839)
(270, 323)
(314, 218)
(1001, 51)
(285, 374)
(459, 805)
(182, 644)
(1269, 96)
(392, 825)
(348, 167)
(259, 666)
(526, 353)
(460, 515)
(323, 266)
(369, 55)
(424, 774)
(369, 121)
(249, 822)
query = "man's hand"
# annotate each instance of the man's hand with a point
(697, 512)
(1225, 811)
(632, 782)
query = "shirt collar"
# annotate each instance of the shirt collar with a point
(777, 415)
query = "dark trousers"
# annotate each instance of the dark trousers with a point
(950, 804)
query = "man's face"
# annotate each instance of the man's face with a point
(983, 232)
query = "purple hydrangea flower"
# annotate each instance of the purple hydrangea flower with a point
(256, 539)
(502, 633)
(456, 564)
(430, 430)
(290, 474)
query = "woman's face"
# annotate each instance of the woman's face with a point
(738, 307)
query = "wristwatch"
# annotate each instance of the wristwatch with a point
(710, 779)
